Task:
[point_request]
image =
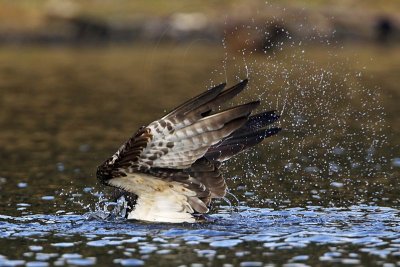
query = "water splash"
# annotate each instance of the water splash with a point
(108, 210)
(333, 125)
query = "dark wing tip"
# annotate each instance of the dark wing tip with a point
(275, 114)
(270, 117)
(196, 101)
(242, 84)
(218, 87)
(244, 81)
(259, 121)
(272, 131)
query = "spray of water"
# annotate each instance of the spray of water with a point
(332, 122)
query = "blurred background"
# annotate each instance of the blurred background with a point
(77, 78)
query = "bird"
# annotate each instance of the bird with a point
(170, 169)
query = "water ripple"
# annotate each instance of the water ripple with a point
(374, 230)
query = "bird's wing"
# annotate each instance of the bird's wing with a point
(186, 145)
(184, 135)
(166, 144)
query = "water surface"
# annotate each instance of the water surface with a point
(325, 191)
(358, 235)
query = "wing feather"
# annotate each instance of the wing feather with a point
(195, 102)
(199, 136)
(249, 135)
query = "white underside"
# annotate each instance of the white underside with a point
(158, 200)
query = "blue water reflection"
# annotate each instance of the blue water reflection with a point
(374, 230)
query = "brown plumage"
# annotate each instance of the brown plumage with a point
(174, 162)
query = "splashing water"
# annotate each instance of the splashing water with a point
(333, 125)
(316, 194)
(108, 210)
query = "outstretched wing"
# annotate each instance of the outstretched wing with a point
(184, 135)
(186, 145)
(178, 146)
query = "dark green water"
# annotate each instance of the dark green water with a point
(325, 191)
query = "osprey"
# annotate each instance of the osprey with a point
(171, 166)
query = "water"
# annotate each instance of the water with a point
(366, 235)
(323, 192)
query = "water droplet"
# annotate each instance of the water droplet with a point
(35, 248)
(337, 184)
(60, 167)
(22, 185)
(396, 162)
(129, 262)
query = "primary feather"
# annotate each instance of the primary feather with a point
(171, 165)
